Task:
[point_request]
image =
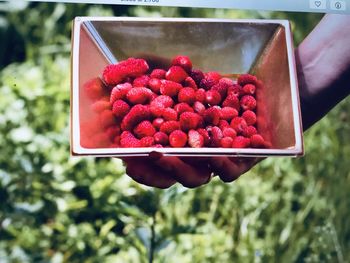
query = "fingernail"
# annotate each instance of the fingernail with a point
(155, 155)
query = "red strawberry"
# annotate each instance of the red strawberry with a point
(156, 109)
(178, 138)
(182, 61)
(154, 85)
(228, 113)
(235, 89)
(169, 114)
(119, 92)
(161, 138)
(229, 132)
(205, 136)
(176, 74)
(248, 102)
(120, 108)
(212, 116)
(249, 89)
(141, 81)
(143, 129)
(249, 131)
(157, 123)
(137, 114)
(197, 75)
(187, 95)
(231, 101)
(198, 107)
(221, 88)
(212, 97)
(249, 117)
(239, 124)
(147, 141)
(257, 141)
(215, 136)
(158, 73)
(189, 120)
(189, 82)
(169, 126)
(195, 139)
(100, 106)
(170, 88)
(132, 67)
(226, 142)
(139, 95)
(164, 100)
(182, 107)
(200, 95)
(107, 119)
(94, 89)
(128, 140)
(240, 142)
(226, 82)
(246, 79)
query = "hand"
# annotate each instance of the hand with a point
(164, 171)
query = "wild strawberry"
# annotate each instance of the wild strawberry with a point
(226, 82)
(212, 97)
(200, 95)
(221, 88)
(107, 119)
(132, 67)
(146, 141)
(128, 140)
(94, 89)
(248, 102)
(228, 113)
(246, 79)
(161, 138)
(205, 136)
(182, 61)
(249, 89)
(182, 107)
(207, 83)
(157, 122)
(249, 117)
(231, 101)
(249, 131)
(170, 88)
(198, 107)
(113, 131)
(154, 84)
(211, 116)
(257, 141)
(176, 74)
(229, 132)
(143, 129)
(169, 114)
(156, 109)
(215, 136)
(119, 92)
(187, 95)
(195, 139)
(189, 82)
(235, 89)
(239, 124)
(169, 126)
(240, 142)
(139, 95)
(100, 106)
(226, 142)
(197, 75)
(137, 114)
(158, 73)
(141, 81)
(189, 120)
(164, 100)
(178, 138)
(120, 108)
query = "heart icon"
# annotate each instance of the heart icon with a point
(318, 3)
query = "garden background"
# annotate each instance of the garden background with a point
(55, 208)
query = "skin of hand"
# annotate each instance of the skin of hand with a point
(323, 65)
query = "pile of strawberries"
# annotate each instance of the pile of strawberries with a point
(175, 107)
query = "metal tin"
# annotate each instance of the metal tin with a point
(260, 47)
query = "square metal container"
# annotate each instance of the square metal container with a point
(261, 47)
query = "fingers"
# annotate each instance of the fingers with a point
(190, 172)
(229, 169)
(144, 171)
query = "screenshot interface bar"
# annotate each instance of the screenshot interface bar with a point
(322, 6)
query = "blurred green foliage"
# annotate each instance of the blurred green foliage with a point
(56, 208)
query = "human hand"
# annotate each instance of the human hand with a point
(164, 171)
